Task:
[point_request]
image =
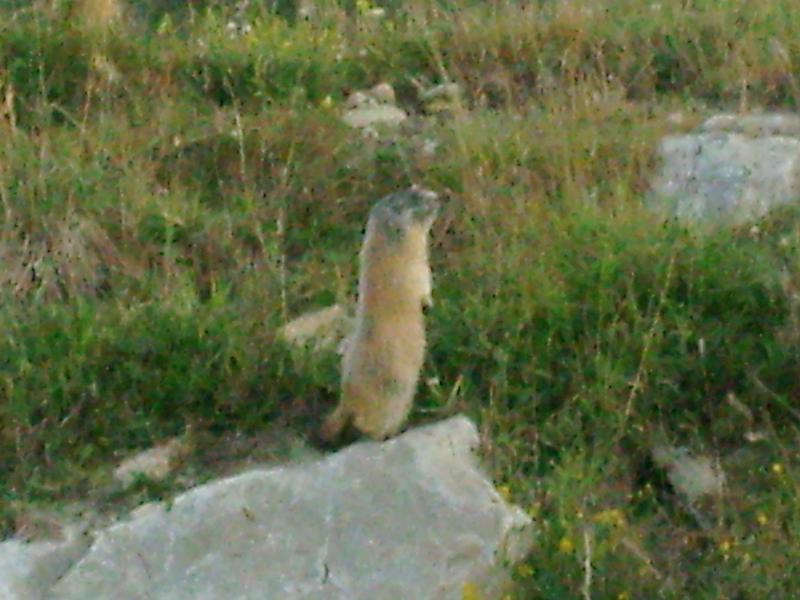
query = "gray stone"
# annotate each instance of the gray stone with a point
(28, 569)
(383, 93)
(733, 169)
(377, 114)
(413, 517)
(783, 124)
(358, 99)
(155, 463)
(450, 91)
(691, 475)
(318, 330)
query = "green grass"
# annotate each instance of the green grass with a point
(171, 194)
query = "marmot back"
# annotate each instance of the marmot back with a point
(384, 354)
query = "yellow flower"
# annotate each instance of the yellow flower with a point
(612, 516)
(762, 519)
(777, 468)
(725, 546)
(327, 101)
(623, 596)
(525, 570)
(470, 591)
(566, 546)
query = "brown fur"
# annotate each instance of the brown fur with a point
(384, 355)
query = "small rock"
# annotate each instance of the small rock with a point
(319, 330)
(367, 116)
(358, 99)
(307, 10)
(448, 91)
(677, 118)
(755, 436)
(155, 463)
(373, 107)
(383, 93)
(781, 124)
(693, 476)
(429, 147)
(375, 14)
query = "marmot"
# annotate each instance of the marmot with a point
(383, 356)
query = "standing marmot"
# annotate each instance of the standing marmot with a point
(384, 354)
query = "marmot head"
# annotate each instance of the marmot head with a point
(399, 212)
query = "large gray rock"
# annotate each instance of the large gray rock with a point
(732, 169)
(413, 517)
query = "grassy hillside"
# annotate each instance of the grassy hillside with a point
(174, 188)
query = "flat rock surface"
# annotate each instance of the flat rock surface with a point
(412, 517)
(319, 330)
(734, 168)
(692, 475)
(28, 569)
(366, 116)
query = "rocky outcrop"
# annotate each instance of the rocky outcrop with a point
(413, 517)
(155, 463)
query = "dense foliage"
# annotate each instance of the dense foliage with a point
(178, 183)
